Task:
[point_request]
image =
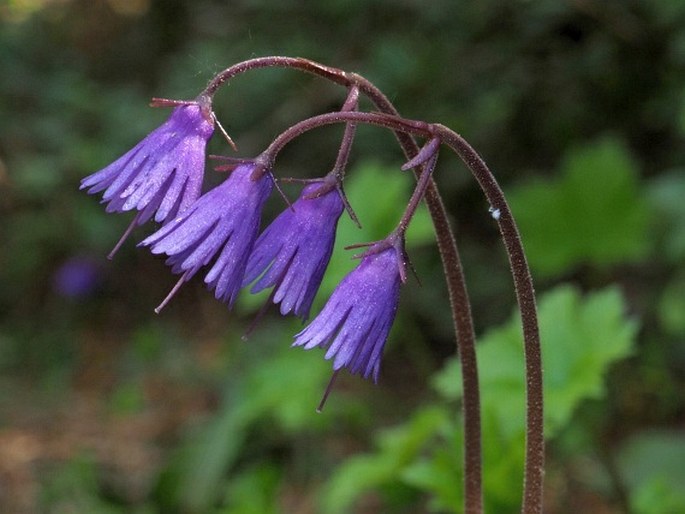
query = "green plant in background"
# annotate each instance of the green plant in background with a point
(538, 87)
(666, 196)
(592, 212)
(581, 337)
(252, 399)
(161, 178)
(651, 464)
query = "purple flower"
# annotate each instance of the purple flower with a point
(161, 175)
(76, 277)
(224, 222)
(355, 322)
(292, 254)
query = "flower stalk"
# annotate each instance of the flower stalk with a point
(161, 177)
(447, 246)
(525, 293)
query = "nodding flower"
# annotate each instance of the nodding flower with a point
(162, 175)
(292, 253)
(219, 228)
(354, 324)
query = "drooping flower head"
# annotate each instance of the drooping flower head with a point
(220, 227)
(292, 254)
(355, 322)
(162, 175)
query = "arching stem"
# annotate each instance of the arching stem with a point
(525, 293)
(460, 306)
(456, 285)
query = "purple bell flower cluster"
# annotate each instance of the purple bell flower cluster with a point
(218, 233)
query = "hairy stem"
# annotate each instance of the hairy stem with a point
(525, 293)
(298, 63)
(459, 301)
(460, 306)
(456, 284)
(420, 189)
(340, 166)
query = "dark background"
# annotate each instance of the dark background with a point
(579, 108)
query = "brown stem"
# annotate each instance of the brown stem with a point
(525, 294)
(382, 120)
(417, 196)
(298, 63)
(456, 284)
(340, 166)
(459, 301)
(466, 345)
(460, 306)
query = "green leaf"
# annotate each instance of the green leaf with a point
(439, 472)
(580, 338)
(592, 213)
(657, 496)
(254, 394)
(213, 453)
(254, 491)
(672, 306)
(292, 407)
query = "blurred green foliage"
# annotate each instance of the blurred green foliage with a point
(578, 107)
(652, 465)
(591, 213)
(580, 338)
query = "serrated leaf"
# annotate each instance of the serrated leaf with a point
(580, 338)
(592, 213)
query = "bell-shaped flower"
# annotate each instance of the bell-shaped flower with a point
(162, 175)
(354, 324)
(292, 254)
(219, 228)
